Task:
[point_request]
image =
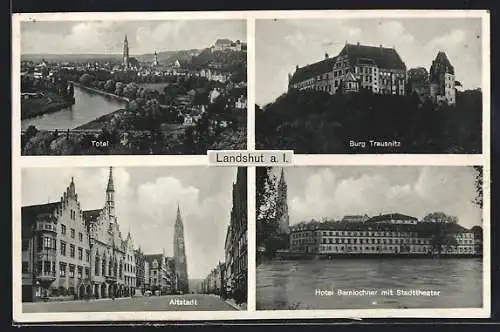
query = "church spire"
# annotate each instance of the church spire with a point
(110, 195)
(111, 186)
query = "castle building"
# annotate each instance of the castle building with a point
(180, 254)
(236, 253)
(68, 251)
(383, 234)
(282, 205)
(377, 69)
(125, 53)
(442, 80)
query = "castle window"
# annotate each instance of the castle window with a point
(80, 253)
(71, 271)
(71, 251)
(63, 229)
(80, 237)
(72, 233)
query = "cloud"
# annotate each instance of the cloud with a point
(144, 36)
(330, 192)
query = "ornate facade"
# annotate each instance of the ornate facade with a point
(236, 251)
(67, 251)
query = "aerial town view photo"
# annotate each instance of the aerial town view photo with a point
(369, 237)
(369, 85)
(133, 87)
(133, 239)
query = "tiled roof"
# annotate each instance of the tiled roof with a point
(315, 69)
(29, 213)
(441, 63)
(421, 227)
(383, 57)
(223, 41)
(391, 216)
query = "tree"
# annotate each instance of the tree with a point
(86, 79)
(267, 225)
(478, 200)
(110, 86)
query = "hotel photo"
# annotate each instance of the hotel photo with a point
(369, 237)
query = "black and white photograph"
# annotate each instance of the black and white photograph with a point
(133, 239)
(366, 85)
(369, 237)
(134, 87)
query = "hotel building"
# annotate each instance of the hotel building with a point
(384, 234)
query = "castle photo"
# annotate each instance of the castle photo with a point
(369, 86)
(145, 243)
(140, 90)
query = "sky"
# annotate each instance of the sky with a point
(282, 44)
(106, 37)
(332, 192)
(146, 204)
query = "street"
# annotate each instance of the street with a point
(188, 302)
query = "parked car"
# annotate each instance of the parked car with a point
(147, 293)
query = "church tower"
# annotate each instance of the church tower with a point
(110, 196)
(282, 205)
(180, 254)
(125, 52)
(155, 61)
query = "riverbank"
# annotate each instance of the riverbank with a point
(302, 256)
(49, 103)
(102, 93)
(102, 120)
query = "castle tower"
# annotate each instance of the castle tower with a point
(180, 254)
(442, 79)
(125, 52)
(110, 196)
(282, 205)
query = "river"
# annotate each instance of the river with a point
(293, 284)
(88, 106)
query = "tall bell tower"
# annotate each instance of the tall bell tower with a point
(125, 53)
(180, 254)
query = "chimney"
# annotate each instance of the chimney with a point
(297, 67)
(326, 55)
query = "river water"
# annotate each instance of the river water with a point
(293, 284)
(88, 106)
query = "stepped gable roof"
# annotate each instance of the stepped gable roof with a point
(32, 211)
(383, 57)
(391, 216)
(315, 69)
